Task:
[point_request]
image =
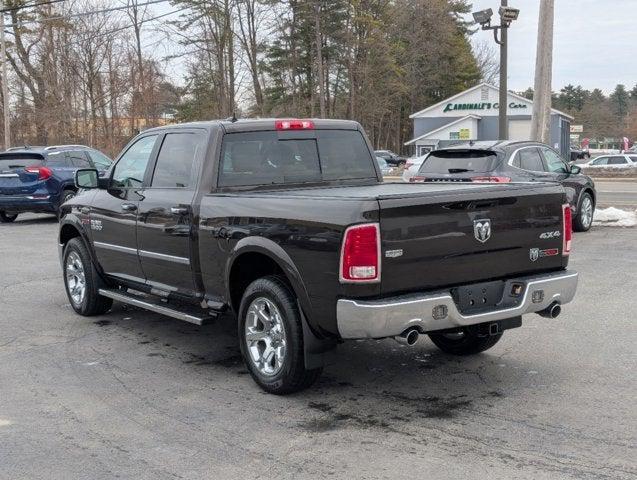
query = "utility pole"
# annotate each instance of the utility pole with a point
(5, 80)
(503, 126)
(507, 15)
(541, 119)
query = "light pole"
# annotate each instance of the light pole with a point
(5, 80)
(507, 15)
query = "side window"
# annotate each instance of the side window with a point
(600, 161)
(176, 160)
(528, 159)
(617, 160)
(130, 168)
(100, 161)
(58, 159)
(78, 159)
(554, 162)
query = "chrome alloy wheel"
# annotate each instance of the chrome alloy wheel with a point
(586, 212)
(75, 278)
(265, 336)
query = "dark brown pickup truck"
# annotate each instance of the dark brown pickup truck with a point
(288, 225)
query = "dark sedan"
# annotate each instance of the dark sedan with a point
(509, 161)
(392, 159)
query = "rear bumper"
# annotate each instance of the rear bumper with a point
(28, 203)
(389, 317)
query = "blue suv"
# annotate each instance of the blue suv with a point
(40, 179)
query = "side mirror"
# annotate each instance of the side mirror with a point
(576, 169)
(86, 178)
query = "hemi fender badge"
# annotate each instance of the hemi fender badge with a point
(394, 253)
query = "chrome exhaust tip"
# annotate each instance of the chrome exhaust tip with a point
(552, 311)
(408, 337)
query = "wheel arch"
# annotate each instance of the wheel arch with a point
(272, 259)
(255, 257)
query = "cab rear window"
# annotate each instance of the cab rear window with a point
(268, 158)
(459, 161)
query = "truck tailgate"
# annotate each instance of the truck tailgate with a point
(432, 241)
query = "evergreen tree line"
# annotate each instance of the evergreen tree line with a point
(602, 116)
(375, 61)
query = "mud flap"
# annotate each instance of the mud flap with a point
(316, 351)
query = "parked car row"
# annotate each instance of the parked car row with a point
(509, 161)
(613, 161)
(41, 179)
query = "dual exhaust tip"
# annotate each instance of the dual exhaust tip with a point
(552, 311)
(410, 336)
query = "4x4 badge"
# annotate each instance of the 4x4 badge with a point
(482, 229)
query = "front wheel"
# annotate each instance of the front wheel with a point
(271, 337)
(82, 281)
(463, 342)
(584, 217)
(6, 218)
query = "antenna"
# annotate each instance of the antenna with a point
(232, 119)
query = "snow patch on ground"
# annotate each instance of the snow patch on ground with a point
(614, 217)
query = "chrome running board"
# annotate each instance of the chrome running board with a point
(161, 308)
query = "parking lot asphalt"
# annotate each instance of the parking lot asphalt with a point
(131, 394)
(620, 194)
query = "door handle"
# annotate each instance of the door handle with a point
(179, 210)
(129, 207)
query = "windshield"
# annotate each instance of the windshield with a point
(15, 161)
(459, 161)
(267, 158)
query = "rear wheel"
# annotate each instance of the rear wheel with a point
(6, 218)
(584, 217)
(271, 337)
(463, 342)
(82, 281)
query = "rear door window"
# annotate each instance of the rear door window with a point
(459, 161)
(617, 160)
(269, 158)
(58, 159)
(528, 159)
(78, 158)
(175, 166)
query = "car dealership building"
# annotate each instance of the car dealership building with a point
(473, 115)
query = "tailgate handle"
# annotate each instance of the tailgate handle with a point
(179, 210)
(129, 207)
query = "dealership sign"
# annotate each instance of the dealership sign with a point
(480, 106)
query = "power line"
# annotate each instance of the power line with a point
(85, 14)
(20, 7)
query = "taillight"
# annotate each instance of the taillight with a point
(417, 178)
(44, 173)
(567, 219)
(360, 254)
(490, 179)
(294, 124)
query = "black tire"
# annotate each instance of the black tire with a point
(91, 303)
(6, 218)
(464, 343)
(581, 222)
(292, 376)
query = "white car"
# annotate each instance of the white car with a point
(412, 166)
(612, 161)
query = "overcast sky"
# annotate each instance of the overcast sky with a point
(595, 42)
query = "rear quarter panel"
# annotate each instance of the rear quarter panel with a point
(308, 229)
